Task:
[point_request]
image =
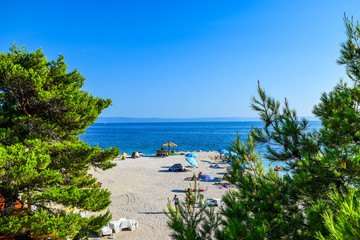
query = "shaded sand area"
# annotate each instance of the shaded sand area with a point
(141, 189)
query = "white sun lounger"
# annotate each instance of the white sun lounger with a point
(76, 211)
(83, 213)
(132, 224)
(115, 225)
(123, 223)
(106, 230)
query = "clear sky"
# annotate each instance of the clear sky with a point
(188, 58)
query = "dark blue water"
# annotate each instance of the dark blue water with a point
(148, 137)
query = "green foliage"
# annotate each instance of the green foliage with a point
(319, 197)
(189, 222)
(342, 222)
(264, 205)
(42, 161)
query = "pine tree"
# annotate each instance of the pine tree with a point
(189, 222)
(320, 196)
(264, 205)
(342, 221)
(42, 161)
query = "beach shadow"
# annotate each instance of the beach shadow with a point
(93, 236)
(152, 212)
(207, 161)
(171, 171)
(221, 173)
(165, 167)
(217, 168)
(178, 191)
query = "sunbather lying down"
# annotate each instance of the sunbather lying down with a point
(189, 166)
(191, 178)
(223, 184)
(214, 166)
(199, 190)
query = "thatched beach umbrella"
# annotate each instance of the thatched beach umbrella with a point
(169, 144)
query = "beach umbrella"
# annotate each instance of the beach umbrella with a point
(243, 165)
(192, 161)
(169, 144)
(233, 154)
(226, 152)
(191, 155)
(207, 177)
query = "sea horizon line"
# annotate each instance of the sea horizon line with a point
(197, 119)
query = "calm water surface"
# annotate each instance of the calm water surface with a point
(148, 137)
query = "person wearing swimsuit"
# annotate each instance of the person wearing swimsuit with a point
(176, 202)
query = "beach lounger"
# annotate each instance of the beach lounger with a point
(123, 223)
(33, 208)
(76, 211)
(128, 223)
(83, 213)
(115, 225)
(68, 211)
(106, 230)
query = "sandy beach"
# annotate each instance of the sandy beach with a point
(142, 187)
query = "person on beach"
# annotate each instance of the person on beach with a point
(200, 190)
(190, 198)
(176, 202)
(200, 174)
(214, 166)
(163, 152)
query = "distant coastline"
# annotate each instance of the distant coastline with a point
(206, 119)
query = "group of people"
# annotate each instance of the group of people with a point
(133, 155)
(193, 178)
(189, 198)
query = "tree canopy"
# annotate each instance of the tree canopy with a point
(42, 161)
(318, 198)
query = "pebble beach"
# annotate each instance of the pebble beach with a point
(141, 189)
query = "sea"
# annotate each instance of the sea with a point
(148, 137)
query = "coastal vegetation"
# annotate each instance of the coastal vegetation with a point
(43, 164)
(319, 198)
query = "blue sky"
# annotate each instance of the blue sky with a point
(188, 58)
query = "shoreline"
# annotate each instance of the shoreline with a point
(176, 153)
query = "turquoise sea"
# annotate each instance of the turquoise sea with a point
(189, 136)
